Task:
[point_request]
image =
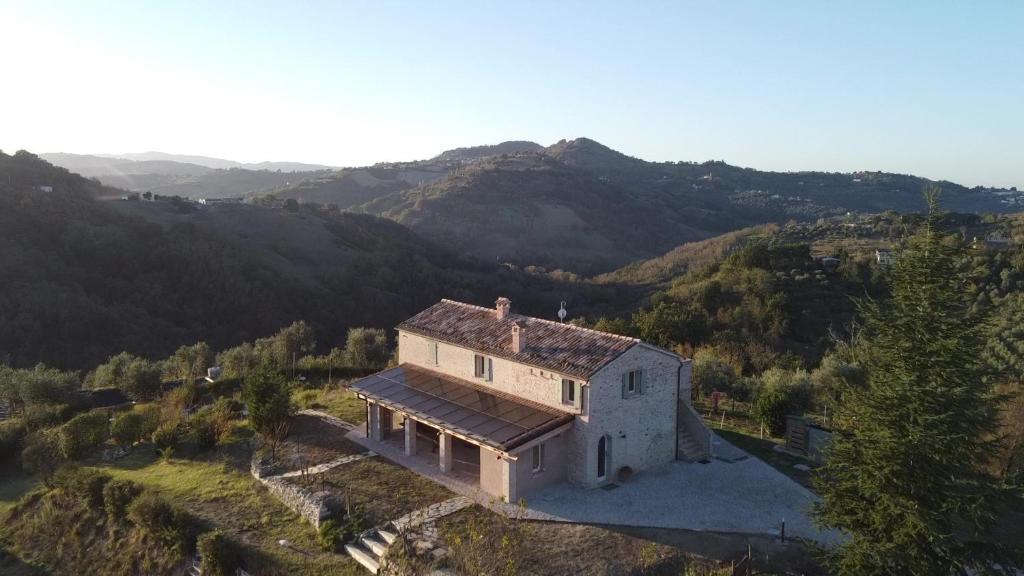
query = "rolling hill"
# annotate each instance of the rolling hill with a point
(87, 278)
(581, 206)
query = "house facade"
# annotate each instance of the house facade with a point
(515, 403)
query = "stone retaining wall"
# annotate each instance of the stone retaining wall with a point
(309, 505)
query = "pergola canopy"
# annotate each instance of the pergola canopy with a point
(484, 416)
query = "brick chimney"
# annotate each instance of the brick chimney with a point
(502, 307)
(518, 336)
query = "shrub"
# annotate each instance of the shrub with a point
(83, 432)
(117, 495)
(166, 438)
(84, 483)
(330, 537)
(218, 553)
(127, 428)
(204, 432)
(150, 419)
(782, 392)
(11, 434)
(42, 454)
(45, 416)
(161, 519)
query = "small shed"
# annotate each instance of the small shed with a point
(807, 439)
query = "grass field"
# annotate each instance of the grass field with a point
(219, 491)
(337, 402)
(382, 489)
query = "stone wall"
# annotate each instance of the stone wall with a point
(641, 429)
(307, 504)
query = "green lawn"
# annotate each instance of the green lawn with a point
(337, 402)
(765, 450)
(222, 495)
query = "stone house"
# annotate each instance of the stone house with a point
(514, 403)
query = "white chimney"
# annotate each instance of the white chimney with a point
(518, 336)
(502, 307)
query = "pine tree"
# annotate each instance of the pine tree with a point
(907, 481)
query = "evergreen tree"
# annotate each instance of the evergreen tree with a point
(907, 480)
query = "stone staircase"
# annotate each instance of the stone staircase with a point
(689, 449)
(369, 548)
(693, 436)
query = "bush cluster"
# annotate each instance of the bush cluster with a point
(83, 432)
(219, 554)
(117, 495)
(83, 483)
(162, 520)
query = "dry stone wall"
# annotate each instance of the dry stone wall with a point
(307, 504)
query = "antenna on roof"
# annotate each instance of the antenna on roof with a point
(562, 312)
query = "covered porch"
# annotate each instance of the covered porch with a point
(467, 432)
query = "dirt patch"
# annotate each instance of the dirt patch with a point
(550, 548)
(382, 490)
(311, 441)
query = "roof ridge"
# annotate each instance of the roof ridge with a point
(572, 326)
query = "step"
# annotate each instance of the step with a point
(363, 556)
(387, 536)
(374, 545)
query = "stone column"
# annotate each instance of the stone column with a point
(508, 473)
(444, 452)
(374, 423)
(410, 436)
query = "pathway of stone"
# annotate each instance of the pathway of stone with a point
(431, 513)
(328, 465)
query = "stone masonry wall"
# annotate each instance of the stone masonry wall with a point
(641, 429)
(310, 506)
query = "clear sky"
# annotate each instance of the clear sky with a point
(934, 88)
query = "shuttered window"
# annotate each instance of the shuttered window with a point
(632, 383)
(432, 353)
(483, 367)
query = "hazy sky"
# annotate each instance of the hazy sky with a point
(934, 88)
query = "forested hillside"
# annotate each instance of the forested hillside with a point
(583, 207)
(85, 279)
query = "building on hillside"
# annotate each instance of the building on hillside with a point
(215, 201)
(883, 256)
(514, 403)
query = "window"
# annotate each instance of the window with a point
(483, 367)
(432, 352)
(537, 455)
(568, 392)
(602, 455)
(632, 383)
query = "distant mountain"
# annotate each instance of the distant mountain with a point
(186, 176)
(350, 187)
(577, 205)
(581, 206)
(477, 152)
(221, 164)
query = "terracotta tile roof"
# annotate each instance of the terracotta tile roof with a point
(561, 348)
(485, 416)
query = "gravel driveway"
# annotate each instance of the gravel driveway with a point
(746, 496)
